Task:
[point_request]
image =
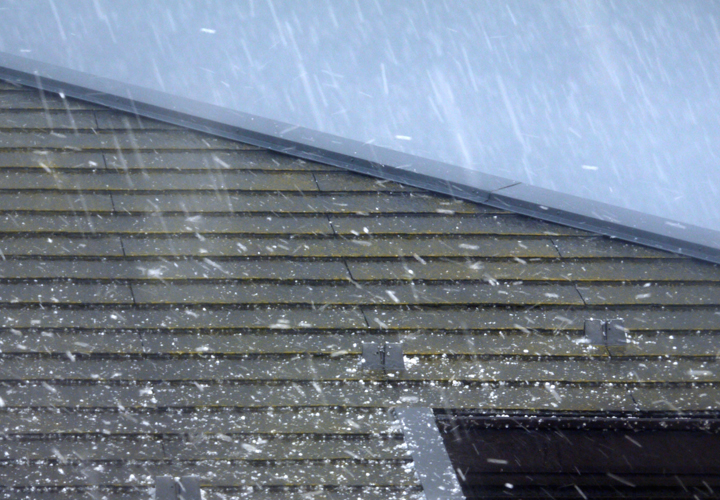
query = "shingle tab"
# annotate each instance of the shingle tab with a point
(55, 202)
(224, 474)
(110, 119)
(637, 318)
(113, 141)
(156, 270)
(56, 120)
(482, 343)
(338, 248)
(280, 203)
(32, 99)
(596, 247)
(444, 224)
(197, 425)
(262, 319)
(674, 398)
(69, 344)
(247, 159)
(204, 368)
(345, 182)
(45, 160)
(386, 492)
(156, 181)
(480, 396)
(92, 395)
(98, 448)
(657, 294)
(288, 447)
(538, 270)
(170, 225)
(66, 293)
(48, 246)
(459, 294)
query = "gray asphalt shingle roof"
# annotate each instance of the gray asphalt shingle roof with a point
(174, 303)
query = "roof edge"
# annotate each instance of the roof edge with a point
(616, 222)
(498, 192)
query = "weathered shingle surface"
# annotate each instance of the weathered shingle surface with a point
(174, 304)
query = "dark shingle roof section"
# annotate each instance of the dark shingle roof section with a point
(177, 304)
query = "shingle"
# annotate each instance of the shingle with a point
(253, 343)
(69, 344)
(412, 492)
(79, 493)
(281, 203)
(103, 448)
(56, 120)
(442, 225)
(57, 246)
(263, 394)
(529, 270)
(55, 202)
(346, 182)
(110, 119)
(223, 473)
(93, 395)
(112, 141)
(565, 397)
(156, 181)
(271, 319)
(605, 247)
(460, 294)
(70, 368)
(656, 294)
(669, 345)
(673, 398)
(207, 368)
(248, 159)
(338, 248)
(636, 318)
(569, 370)
(32, 99)
(200, 424)
(288, 447)
(46, 160)
(154, 270)
(166, 225)
(68, 293)
(511, 343)
(9, 86)
(195, 369)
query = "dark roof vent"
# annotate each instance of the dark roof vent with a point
(608, 333)
(187, 488)
(386, 357)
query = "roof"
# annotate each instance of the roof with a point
(598, 129)
(175, 303)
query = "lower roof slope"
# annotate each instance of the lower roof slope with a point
(174, 304)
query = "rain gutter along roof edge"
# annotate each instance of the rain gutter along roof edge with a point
(502, 193)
